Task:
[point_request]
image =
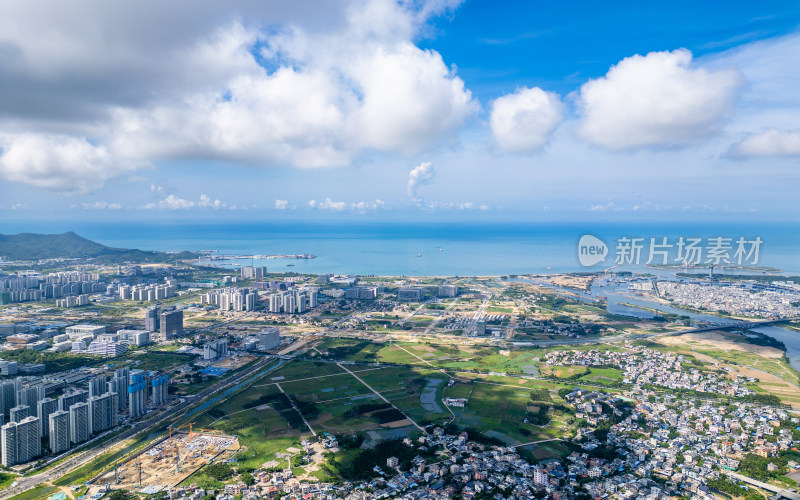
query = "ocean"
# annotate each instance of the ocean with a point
(427, 249)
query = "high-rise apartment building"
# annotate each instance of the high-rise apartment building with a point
(171, 324)
(137, 394)
(102, 412)
(58, 431)
(65, 401)
(79, 423)
(20, 412)
(20, 442)
(44, 408)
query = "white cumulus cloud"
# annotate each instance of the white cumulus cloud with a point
(524, 120)
(419, 175)
(101, 205)
(271, 83)
(367, 206)
(771, 142)
(206, 201)
(171, 202)
(281, 204)
(59, 163)
(660, 99)
(328, 204)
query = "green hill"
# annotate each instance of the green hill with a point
(30, 246)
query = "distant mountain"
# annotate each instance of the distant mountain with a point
(30, 246)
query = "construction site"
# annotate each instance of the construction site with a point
(169, 461)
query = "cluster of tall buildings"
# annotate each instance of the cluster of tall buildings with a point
(56, 290)
(31, 286)
(253, 272)
(167, 321)
(73, 301)
(28, 415)
(294, 301)
(149, 293)
(231, 299)
(19, 289)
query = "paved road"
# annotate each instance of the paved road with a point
(142, 426)
(438, 319)
(537, 442)
(296, 409)
(379, 395)
(764, 486)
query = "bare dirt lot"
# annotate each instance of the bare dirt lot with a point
(169, 462)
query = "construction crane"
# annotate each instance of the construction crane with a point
(138, 465)
(176, 429)
(215, 436)
(178, 459)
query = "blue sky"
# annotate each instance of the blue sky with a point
(501, 45)
(378, 110)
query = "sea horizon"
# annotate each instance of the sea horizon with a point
(421, 248)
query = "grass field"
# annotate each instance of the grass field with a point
(331, 400)
(36, 493)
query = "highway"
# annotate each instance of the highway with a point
(764, 486)
(148, 425)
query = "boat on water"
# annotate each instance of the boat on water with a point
(419, 255)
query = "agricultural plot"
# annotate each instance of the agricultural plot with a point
(497, 411)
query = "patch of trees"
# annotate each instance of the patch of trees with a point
(765, 399)
(350, 441)
(540, 417)
(756, 467)
(474, 435)
(540, 394)
(306, 408)
(447, 349)
(361, 409)
(216, 412)
(53, 361)
(725, 485)
(347, 350)
(388, 415)
(761, 339)
(121, 495)
(279, 401)
(219, 471)
(359, 465)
